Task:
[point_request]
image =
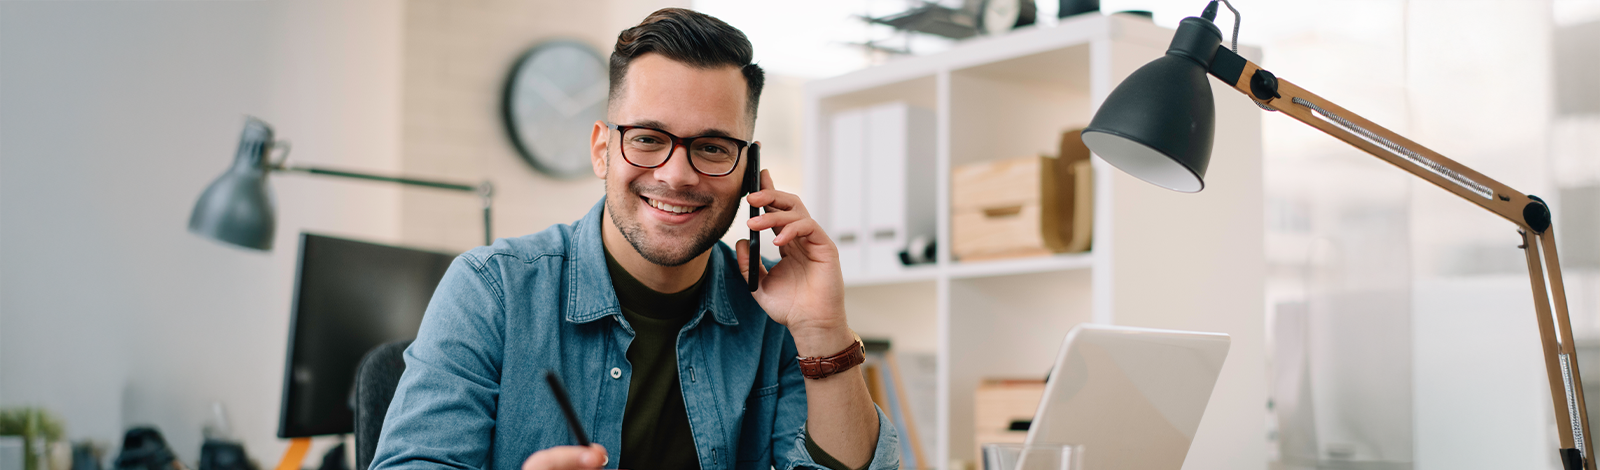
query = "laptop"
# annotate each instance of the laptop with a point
(1131, 397)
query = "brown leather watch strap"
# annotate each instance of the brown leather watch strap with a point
(822, 367)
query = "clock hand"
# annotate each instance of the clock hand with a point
(554, 95)
(595, 94)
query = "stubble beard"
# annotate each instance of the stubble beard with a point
(668, 253)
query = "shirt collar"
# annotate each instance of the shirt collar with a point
(591, 296)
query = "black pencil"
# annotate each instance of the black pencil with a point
(566, 408)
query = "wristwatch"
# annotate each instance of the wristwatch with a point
(822, 367)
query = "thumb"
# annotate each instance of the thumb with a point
(595, 456)
(741, 253)
(567, 457)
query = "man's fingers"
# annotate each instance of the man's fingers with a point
(774, 220)
(777, 201)
(567, 458)
(773, 199)
(741, 251)
(741, 254)
(806, 228)
(597, 456)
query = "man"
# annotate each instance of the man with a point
(670, 360)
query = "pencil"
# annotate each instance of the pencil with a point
(566, 408)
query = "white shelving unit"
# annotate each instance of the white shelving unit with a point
(1160, 259)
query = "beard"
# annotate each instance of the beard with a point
(672, 252)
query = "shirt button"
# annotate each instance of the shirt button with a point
(616, 372)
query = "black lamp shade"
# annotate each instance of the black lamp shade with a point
(237, 208)
(1157, 124)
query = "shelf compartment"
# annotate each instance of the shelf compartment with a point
(906, 314)
(1010, 327)
(1010, 109)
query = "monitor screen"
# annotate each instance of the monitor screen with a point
(350, 297)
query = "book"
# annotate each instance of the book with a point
(889, 393)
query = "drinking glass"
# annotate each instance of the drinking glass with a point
(1032, 457)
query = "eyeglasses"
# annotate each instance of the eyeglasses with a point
(710, 155)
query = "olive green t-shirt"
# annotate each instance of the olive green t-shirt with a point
(655, 424)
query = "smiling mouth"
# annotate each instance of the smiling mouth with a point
(671, 208)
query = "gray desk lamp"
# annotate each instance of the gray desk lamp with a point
(237, 208)
(1157, 126)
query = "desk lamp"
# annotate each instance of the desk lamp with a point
(237, 208)
(1157, 126)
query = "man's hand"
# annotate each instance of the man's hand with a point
(805, 290)
(567, 458)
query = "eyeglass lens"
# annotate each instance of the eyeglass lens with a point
(710, 155)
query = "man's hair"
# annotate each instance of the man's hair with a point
(692, 38)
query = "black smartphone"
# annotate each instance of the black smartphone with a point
(752, 183)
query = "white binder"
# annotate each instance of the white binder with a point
(900, 146)
(845, 214)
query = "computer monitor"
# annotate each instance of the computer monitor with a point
(349, 297)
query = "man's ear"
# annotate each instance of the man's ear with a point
(599, 138)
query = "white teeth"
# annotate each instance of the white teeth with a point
(669, 207)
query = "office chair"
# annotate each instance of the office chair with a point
(376, 379)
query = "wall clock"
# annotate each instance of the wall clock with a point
(554, 95)
(996, 17)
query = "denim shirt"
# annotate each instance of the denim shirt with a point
(473, 395)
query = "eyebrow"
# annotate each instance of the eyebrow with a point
(661, 125)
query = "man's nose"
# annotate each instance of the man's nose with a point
(678, 172)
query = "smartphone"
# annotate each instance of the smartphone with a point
(752, 183)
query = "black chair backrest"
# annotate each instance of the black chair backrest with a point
(376, 379)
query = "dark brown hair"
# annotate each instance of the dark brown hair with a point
(692, 38)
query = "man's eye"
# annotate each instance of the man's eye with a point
(647, 140)
(713, 150)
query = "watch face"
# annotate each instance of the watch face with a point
(556, 93)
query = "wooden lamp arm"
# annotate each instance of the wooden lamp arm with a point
(1528, 212)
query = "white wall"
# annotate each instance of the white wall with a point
(1480, 381)
(1194, 262)
(113, 117)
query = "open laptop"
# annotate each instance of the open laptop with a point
(1132, 397)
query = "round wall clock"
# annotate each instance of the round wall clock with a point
(555, 94)
(996, 17)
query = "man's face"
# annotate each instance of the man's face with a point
(671, 213)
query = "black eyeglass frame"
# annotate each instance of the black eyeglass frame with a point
(622, 132)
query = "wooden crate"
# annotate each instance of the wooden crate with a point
(1029, 206)
(997, 404)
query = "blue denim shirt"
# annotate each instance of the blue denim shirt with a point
(473, 395)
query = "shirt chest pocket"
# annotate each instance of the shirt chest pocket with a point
(760, 410)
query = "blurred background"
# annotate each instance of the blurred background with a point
(1397, 319)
